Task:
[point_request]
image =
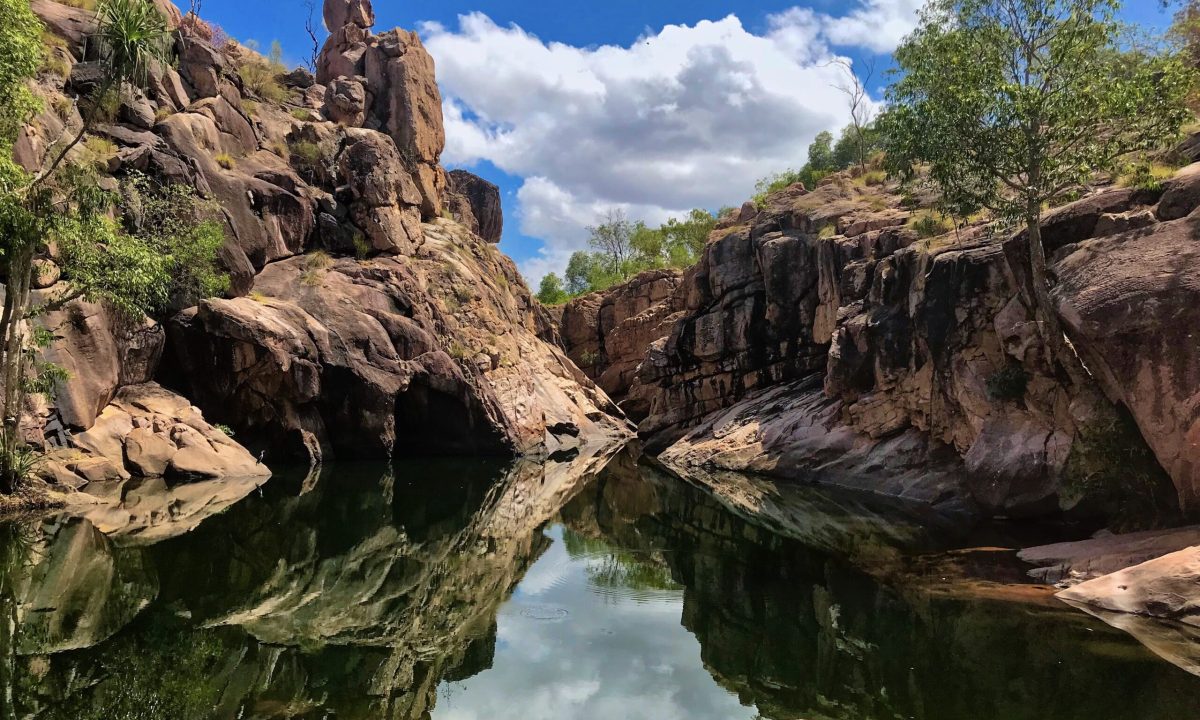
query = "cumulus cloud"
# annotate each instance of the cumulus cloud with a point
(686, 117)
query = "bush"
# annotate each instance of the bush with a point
(260, 75)
(225, 160)
(930, 225)
(307, 157)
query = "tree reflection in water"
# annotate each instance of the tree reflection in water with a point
(360, 593)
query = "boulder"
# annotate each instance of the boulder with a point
(346, 101)
(1181, 194)
(1167, 588)
(476, 204)
(148, 431)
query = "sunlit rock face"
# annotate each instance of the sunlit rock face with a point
(361, 320)
(438, 351)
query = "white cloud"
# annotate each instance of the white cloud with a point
(879, 25)
(686, 117)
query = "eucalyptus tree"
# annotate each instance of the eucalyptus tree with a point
(1009, 104)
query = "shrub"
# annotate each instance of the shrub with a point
(930, 225)
(1146, 176)
(260, 75)
(302, 115)
(362, 247)
(873, 178)
(225, 160)
(163, 113)
(99, 152)
(317, 260)
(307, 157)
(1008, 384)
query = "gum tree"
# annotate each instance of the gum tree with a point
(1010, 104)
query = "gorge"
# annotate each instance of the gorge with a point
(832, 469)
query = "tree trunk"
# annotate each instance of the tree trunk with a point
(16, 307)
(1059, 349)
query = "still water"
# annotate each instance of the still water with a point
(590, 589)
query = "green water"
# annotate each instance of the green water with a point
(456, 590)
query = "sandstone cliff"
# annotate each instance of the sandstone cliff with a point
(826, 336)
(361, 320)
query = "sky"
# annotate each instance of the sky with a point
(652, 106)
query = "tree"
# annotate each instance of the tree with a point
(1011, 103)
(861, 110)
(820, 152)
(551, 291)
(611, 238)
(580, 270)
(63, 206)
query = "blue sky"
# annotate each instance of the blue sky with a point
(573, 107)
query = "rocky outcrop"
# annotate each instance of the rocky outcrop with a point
(386, 82)
(922, 344)
(607, 333)
(363, 358)
(1167, 588)
(1070, 563)
(359, 321)
(1131, 303)
(475, 204)
(147, 432)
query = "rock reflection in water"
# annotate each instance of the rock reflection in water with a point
(464, 589)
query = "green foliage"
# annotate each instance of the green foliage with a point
(132, 36)
(1147, 175)
(820, 153)
(1008, 384)
(551, 291)
(21, 38)
(1008, 108)
(225, 160)
(631, 248)
(1111, 468)
(307, 157)
(930, 224)
(260, 75)
(174, 222)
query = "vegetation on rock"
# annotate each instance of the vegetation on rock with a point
(1009, 104)
(62, 216)
(622, 249)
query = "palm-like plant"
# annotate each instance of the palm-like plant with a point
(132, 35)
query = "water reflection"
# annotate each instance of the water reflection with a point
(592, 588)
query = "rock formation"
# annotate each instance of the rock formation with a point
(607, 333)
(475, 204)
(359, 322)
(823, 337)
(385, 82)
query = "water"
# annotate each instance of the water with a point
(456, 590)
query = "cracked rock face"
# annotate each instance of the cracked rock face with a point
(386, 82)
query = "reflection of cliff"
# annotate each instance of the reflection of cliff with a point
(797, 630)
(357, 598)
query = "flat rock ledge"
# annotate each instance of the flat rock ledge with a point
(146, 433)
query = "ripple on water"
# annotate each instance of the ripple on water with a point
(637, 576)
